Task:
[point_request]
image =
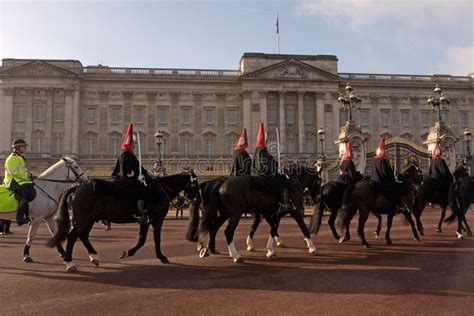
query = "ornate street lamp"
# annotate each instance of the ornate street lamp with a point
(159, 142)
(321, 134)
(467, 139)
(438, 102)
(349, 100)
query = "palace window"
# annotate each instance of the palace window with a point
(39, 113)
(364, 117)
(58, 114)
(405, 118)
(91, 115)
(231, 116)
(57, 145)
(290, 145)
(19, 113)
(209, 116)
(162, 115)
(114, 146)
(290, 116)
(385, 117)
(186, 115)
(91, 147)
(209, 143)
(271, 116)
(186, 146)
(139, 114)
(309, 145)
(425, 118)
(464, 119)
(115, 114)
(38, 144)
(308, 116)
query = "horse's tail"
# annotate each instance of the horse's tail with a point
(192, 234)
(453, 203)
(62, 217)
(317, 217)
(211, 203)
(343, 215)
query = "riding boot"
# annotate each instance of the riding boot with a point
(141, 216)
(22, 214)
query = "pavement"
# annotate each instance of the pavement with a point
(432, 277)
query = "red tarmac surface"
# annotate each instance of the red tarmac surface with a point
(431, 277)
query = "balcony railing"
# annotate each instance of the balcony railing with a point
(398, 77)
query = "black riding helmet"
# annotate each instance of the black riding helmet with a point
(19, 142)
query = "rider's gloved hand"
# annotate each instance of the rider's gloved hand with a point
(141, 178)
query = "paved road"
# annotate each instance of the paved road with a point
(431, 277)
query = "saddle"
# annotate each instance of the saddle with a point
(392, 191)
(274, 184)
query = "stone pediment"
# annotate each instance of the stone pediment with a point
(291, 70)
(38, 68)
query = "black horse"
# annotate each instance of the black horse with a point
(432, 191)
(227, 199)
(363, 196)
(90, 205)
(461, 196)
(310, 181)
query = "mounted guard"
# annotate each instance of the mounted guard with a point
(349, 173)
(265, 166)
(439, 169)
(19, 180)
(242, 162)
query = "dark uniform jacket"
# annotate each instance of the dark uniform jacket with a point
(127, 167)
(381, 171)
(242, 163)
(440, 170)
(266, 167)
(349, 173)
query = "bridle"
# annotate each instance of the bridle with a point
(69, 170)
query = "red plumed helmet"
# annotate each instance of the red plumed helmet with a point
(381, 149)
(437, 151)
(243, 140)
(261, 137)
(348, 152)
(128, 139)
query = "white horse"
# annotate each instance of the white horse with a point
(49, 187)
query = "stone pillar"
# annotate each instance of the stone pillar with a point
(301, 122)
(68, 119)
(102, 119)
(76, 122)
(282, 115)
(263, 107)
(49, 120)
(6, 108)
(247, 116)
(321, 123)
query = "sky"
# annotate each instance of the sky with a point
(368, 36)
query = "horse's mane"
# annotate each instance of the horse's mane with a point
(52, 169)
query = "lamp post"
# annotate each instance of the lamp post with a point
(467, 139)
(438, 102)
(159, 142)
(321, 134)
(349, 100)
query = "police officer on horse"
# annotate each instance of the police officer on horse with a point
(265, 166)
(242, 162)
(19, 180)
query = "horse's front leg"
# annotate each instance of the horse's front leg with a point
(141, 242)
(363, 216)
(443, 215)
(271, 239)
(256, 222)
(35, 223)
(229, 235)
(390, 215)
(379, 225)
(93, 257)
(299, 219)
(332, 223)
(157, 223)
(412, 224)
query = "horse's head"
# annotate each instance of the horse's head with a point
(73, 172)
(412, 173)
(460, 172)
(192, 186)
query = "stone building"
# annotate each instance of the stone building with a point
(61, 107)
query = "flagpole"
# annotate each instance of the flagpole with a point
(278, 33)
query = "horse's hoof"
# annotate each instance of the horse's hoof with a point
(239, 260)
(367, 246)
(422, 233)
(438, 230)
(342, 240)
(215, 252)
(27, 259)
(376, 235)
(123, 255)
(271, 256)
(204, 252)
(250, 248)
(417, 238)
(281, 244)
(459, 235)
(389, 243)
(95, 262)
(313, 251)
(71, 269)
(199, 246)
(164, 260)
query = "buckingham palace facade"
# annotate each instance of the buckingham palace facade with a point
(61, 107)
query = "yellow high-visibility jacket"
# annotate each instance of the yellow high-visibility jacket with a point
(15, 168)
